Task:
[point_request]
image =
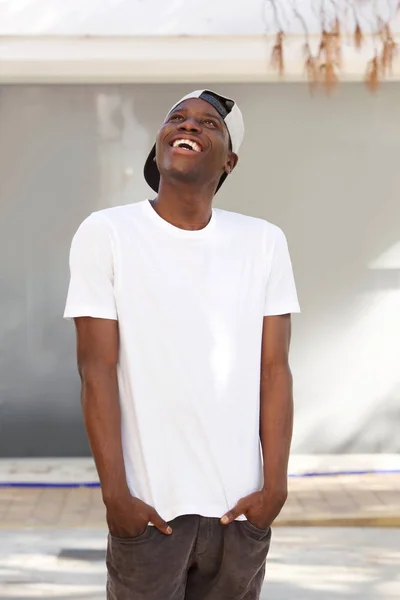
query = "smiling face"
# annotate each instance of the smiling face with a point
(193, 145)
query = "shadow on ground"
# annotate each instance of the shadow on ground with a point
(304, 564)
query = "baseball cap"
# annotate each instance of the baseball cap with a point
(229, 111)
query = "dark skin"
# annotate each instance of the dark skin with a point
(187, 187)
(189, 179)
(97, 350)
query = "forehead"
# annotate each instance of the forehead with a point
(197, 106)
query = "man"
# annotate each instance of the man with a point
(182, 314)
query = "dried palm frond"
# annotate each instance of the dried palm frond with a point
(330, 47)
(329, 77)
(358, 37)
(312, 68)
(337, 42)
(389, 51)
(372, 74)
(323, 44)
(277, 59)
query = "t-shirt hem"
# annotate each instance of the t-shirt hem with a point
(215, 512)
(289, 310)
(73, 312)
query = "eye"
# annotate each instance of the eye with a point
(210, 122)
(176, 117)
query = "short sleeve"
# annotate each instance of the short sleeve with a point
(281, 295)
(91, 287)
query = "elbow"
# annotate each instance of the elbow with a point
(93, 374)
(276, 371)
(97, 382)
(89, 366)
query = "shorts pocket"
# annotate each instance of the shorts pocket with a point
(257, 532)
(147, 534)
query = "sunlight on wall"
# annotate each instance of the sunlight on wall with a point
(360, 363)
(388, 260)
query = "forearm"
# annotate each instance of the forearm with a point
(276, 424)
(102, 416)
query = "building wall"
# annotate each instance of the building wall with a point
(178, 17)
(325, 170)
(153, 41)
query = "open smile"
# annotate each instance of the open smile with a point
(186, 145)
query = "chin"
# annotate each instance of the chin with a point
(182, 175)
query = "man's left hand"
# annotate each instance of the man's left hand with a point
(259, 508)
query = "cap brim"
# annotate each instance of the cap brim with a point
(152, 174)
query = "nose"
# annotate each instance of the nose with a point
(189, 125)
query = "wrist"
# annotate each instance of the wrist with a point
(116, 495)
(275, 484)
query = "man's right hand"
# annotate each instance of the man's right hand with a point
(128, 517)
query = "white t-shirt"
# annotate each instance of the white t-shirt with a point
(190, 307)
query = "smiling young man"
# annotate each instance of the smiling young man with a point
(182, 314)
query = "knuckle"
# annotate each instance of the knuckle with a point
(157, 520)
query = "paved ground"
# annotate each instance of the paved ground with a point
(52, 541)
(345, 500)
(363, 500)
(304, 564)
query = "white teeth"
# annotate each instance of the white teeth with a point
(190, 143)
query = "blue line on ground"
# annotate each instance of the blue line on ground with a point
(96, 484)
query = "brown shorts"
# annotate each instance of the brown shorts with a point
(201, 560)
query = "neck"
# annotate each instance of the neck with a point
(184, 207)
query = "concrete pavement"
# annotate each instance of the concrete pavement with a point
(304, 564)
(52, 541)
(369, 499)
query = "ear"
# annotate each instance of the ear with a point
(231, 162)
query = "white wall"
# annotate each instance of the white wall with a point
(130, 17)
(174, 17)
(176, 41)
(325, 169)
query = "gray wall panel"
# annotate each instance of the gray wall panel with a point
(324, 170)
